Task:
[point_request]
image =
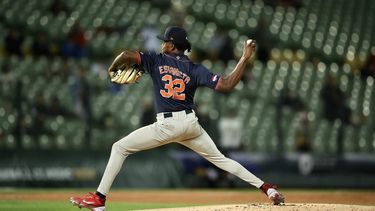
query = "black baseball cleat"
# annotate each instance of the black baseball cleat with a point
(271, 191)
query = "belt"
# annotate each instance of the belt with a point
(170, 114)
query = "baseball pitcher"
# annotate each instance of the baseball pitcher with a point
(175, 79)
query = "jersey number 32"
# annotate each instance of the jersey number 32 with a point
(173, 88)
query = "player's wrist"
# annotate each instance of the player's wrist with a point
(245, 58)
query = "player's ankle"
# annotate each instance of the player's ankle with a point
(267, 186)
(101, 196)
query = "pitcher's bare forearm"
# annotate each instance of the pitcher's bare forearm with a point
(227, 83)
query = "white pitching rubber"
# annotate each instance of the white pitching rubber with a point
(98, 209)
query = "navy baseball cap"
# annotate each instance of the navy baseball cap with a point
(177, 36)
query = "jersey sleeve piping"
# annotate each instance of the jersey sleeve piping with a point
(138, 61)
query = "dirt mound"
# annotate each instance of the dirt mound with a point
(263, 206)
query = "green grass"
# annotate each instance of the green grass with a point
(44, 205)
(21, 205)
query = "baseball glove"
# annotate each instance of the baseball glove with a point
(127, 75)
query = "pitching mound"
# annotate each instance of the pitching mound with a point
(262, 206)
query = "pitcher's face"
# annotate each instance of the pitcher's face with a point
(167, 47)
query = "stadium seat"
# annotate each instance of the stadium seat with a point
(308, 42)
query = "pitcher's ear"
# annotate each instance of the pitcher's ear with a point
(173, 46)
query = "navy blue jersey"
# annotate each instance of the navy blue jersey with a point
(175, 80)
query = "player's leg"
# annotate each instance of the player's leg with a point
(204, 146)
(140, 139)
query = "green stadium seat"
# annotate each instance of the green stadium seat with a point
(10, 142)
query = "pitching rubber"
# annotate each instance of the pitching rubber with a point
(98, 209)
(267, 207)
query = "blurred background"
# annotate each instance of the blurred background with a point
(302, 115)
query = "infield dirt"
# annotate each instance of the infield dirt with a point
(263, 206)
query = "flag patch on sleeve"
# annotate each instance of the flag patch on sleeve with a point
(214, 78)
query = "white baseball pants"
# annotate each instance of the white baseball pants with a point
(181, 128)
